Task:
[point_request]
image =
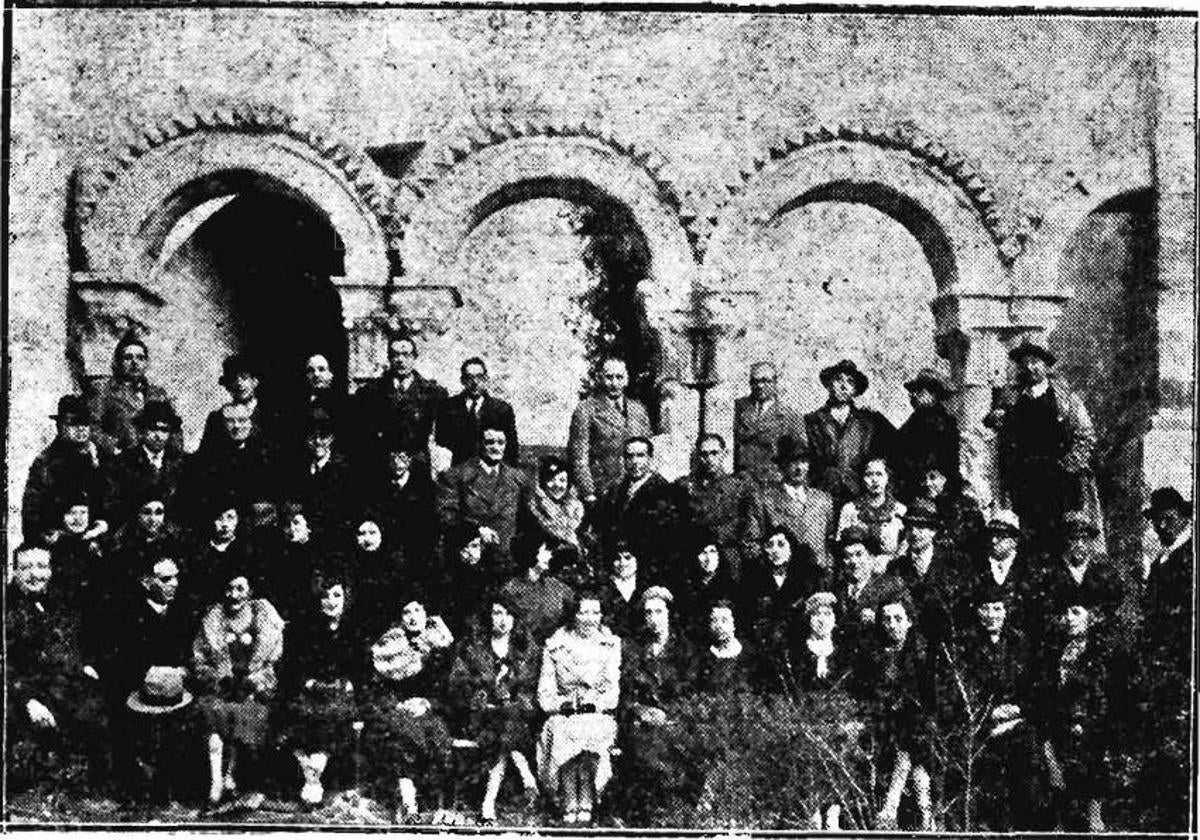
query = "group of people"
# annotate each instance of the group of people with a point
(367, 589)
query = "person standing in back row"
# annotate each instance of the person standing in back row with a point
(601, 424)
(842, 436)
(760, 421)
(462, 418)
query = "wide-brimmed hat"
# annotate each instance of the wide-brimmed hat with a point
(1167, 498)
(789, 449)
(1078, 523)
(931, 380)
(850, 369)
(73, 409)
(158, 413)
(1028, 348)
(161, 692)
(235, 364)
(922, 512)
(1005, 522)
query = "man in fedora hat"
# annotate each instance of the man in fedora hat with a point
(1082, 566)
(760, 421)
(842, 436)
(790, 501)
(157, 723)
(151, 464)
(119, 400)
(1166, 653)
(320, 478)
(239, 376)
(930, 575)
(929, 435)
(1044, 447)
(1006, 566)
(70, 464)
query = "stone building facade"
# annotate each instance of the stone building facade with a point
(900, 190)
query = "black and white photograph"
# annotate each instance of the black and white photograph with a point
(599, 419)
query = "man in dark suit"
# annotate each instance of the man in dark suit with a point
(1005, 566)
(931, 577)
(241, 464)
(487, 494)
(1166, 653)
(760, 421)
(400, 407)
(322, 481)
(401, 502)
(929, 437)
(240, 378)
(843, 436)
(461, 418)
(716, 500)
(1082, 567)
(54, 698)
(70, 465)
(150, 467)
(647, 511)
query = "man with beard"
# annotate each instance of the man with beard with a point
(1044, 446)
(842, 436)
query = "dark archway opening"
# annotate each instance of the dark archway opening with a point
(1107, 346)
(275, 255)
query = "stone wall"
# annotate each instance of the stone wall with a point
(1027, 125)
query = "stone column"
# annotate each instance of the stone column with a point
(1168, 456)
(365, 320)
(975, 331)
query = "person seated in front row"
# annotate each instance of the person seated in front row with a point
(492, 685)
(323, 664)
(405, 736)
(656, 676)
(233, 664)
(726, 666)
(54, 700)
(893, 681)
(578, 689)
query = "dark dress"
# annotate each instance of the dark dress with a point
(493, 697)
(655, 763)
(695, 595)
(895, 689)
(318, 717)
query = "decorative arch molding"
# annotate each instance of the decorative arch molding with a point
(947, 205)
(1051, 229)
(453, 189)
(127, 204)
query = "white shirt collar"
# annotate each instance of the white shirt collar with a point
(1036, 391)
(158, 608)
(1077, 573)
(1001, 568)
(490, 469)
(923, 559)
(1161, 557)
(625, 587)
(841, 412)
(154, 458)
(796, 492)
(315, 466)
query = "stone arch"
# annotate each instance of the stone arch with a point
(447, 197)
(127, 206)
(945, 204)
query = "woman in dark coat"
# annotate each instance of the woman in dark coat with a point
(405, 737)
(492, 684)
(553, 514)
(1073, 684)
(233, 664)
(377, 572)
(657, 675)
(468, 580)
(705, 581)
(324, 661)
